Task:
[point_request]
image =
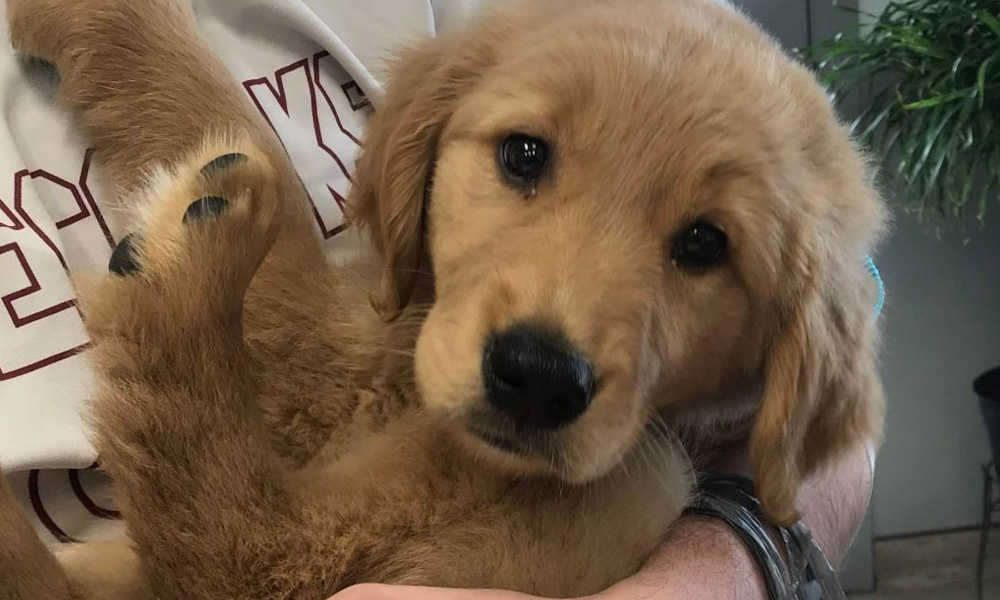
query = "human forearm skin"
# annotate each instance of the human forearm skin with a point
(701, 557)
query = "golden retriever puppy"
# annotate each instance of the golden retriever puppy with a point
(593, 224)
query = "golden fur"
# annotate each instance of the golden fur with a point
(272, 436)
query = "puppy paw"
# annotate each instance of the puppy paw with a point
(208, 226)
(233, 220)
(124, 260)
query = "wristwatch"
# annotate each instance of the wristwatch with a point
(806, 575)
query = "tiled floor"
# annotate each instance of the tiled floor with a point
(936, 567)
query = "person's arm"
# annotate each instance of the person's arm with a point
(701, 557)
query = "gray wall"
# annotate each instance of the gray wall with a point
(942, 328)
(786, 20)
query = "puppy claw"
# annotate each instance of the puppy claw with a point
(202, 208)
(123, 258)
(224, 162)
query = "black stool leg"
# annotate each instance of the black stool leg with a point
(984, 533)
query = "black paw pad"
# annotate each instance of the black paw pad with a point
(226, 161)
(123, 259)
(209, 206)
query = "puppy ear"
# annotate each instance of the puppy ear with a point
(394, 171)
(822, 391)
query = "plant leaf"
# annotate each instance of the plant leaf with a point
(929, 71)
(938, 100)
(989, 20)
(981, 79)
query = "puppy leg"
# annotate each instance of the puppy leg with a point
(174, 411)
(28, 571)
(207, 505)
(144, 87)
(147, 92)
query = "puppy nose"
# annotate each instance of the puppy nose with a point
(534, 377)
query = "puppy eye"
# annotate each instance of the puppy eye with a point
(523, 158)
(700, 246)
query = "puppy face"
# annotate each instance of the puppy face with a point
(627, 212)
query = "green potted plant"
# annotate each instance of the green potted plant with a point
(929, 75)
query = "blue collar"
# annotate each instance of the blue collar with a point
(880, 302)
